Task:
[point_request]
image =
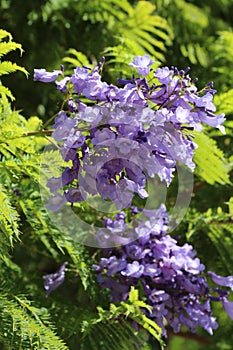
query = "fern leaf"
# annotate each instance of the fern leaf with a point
(131, 310)
(5, 34)
(224, 102)
(5, 91)
(140, 26)
(23, 326)
(221, 235)
(8, 67)
(195, 53)
(54, 240)
(147, 37)
(5, 48)
(211, 165)
(8, 218)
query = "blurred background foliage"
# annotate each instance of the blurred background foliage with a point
(182, 33)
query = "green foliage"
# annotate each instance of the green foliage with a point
(217, 226)
(211, 165)
(202, 38)
(8, 67)
(24, 326)
(134, 30)
(188, 21)
(139, 31)
(224, 102)
(9, 226)
(146, 30)
(115, 322)
(222, 63)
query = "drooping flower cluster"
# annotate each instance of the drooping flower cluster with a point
(112, 145)
(128, 133)
(171, 276)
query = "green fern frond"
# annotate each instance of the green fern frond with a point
(53, 239)
(5, 34)
(140, 31)
(139, 24)
(195, 53)
(8, 67)
(9, 221)
(4, 91)
(212, 167)
(14, 130)
(23, 326)
(224, 102)
(145, 29)
(110, 323)
(221, 235)
(192, 13)
(224, 46)
(24, 165)
(5, 48)
(104, 10)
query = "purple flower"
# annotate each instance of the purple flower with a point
(152, 270)
(222, 281)
(164, 75)
(134, 251)
(75, 139)
(91, 115)
(205, 101)
(61, 85)
(68, 153)
(104, 136)
(133, 270)
(54, 280)
(64, 129)
(157, 296)
(44, 76)
(171, 276)
(115, 265)
(68, 175)
(72, 106)
(73, 195)
(96, 90)
(142, 64)
(228, 306)
(79, 79)
(125, 145)
(60, 119)
(123, 142)
(213, 120)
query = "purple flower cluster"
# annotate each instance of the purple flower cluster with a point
(170, 276)
(127, 133)
(123, 135)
